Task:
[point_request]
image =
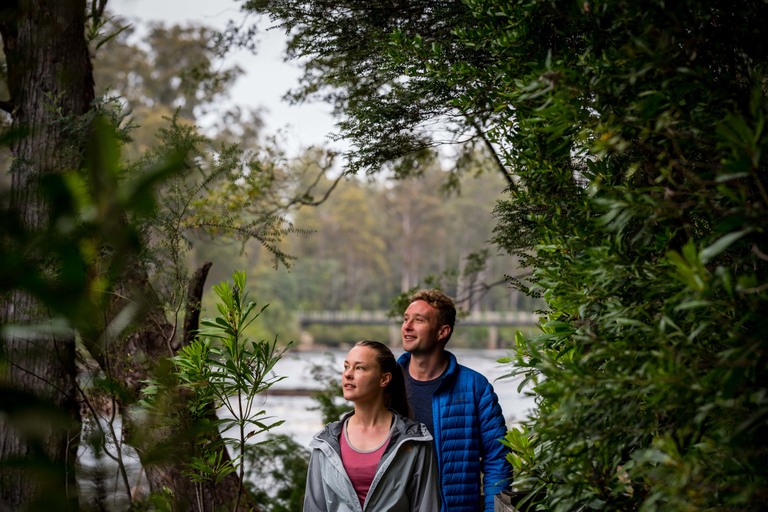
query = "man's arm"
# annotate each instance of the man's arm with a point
(497, 472)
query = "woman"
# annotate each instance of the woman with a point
(375, 458)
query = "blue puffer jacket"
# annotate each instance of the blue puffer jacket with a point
(468, 424)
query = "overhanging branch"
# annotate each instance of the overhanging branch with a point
(7, 106)
(194, 296)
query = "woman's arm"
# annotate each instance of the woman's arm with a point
(423, 484)
(314, 496)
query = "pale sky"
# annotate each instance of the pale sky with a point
(266, 76)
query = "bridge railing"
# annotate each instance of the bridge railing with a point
(491, 319)
(379, 317)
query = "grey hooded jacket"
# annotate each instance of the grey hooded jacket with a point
(405, 480)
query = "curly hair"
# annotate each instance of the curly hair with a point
(446, 309)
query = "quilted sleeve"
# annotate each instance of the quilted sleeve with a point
(497, 472)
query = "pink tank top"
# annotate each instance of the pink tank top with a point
(361, 466)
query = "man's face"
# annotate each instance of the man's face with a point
(421, 330)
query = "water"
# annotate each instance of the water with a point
(302, 423)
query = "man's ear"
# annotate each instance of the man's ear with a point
(443, 332)
(386, 378)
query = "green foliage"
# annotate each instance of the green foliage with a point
(172, 69)
(219, 367)
(521, 452)
(369, 238)
(78, 255)
(159, 501)
(98, 219)
(227, 195)
(211, 467)
(280, 466)
(525, 457)
(328, 396)
(175, 67)
(70, 263)
(344, 49)
(636, 134)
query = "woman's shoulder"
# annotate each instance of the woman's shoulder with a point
(327, 440)
(412, 429)
(331, 431)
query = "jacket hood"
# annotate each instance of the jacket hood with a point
(405, 430)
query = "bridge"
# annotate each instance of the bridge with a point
(491, 319)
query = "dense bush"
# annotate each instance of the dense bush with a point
(636, 131)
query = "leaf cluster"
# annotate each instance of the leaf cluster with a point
(219, 369)
(637, 133)
(174, 67)
(389, 115)
(74, 258)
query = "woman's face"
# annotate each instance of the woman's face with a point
(362, 379)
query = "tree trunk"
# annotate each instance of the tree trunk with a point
(153, 340)
(49, 74)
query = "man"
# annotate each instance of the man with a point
(457, 405)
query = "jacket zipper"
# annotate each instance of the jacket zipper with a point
(380, 472)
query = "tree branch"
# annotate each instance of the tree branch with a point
(43, 379)
(194, 297)
(7, 106)
(118, 459)
(325, 196)
(479, 290)
(760, 254)
(101, 7)
(494, 154)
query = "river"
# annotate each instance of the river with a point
(302, 423)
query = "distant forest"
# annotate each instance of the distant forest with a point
(357, 242)
(370, 241)
(352, 243)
